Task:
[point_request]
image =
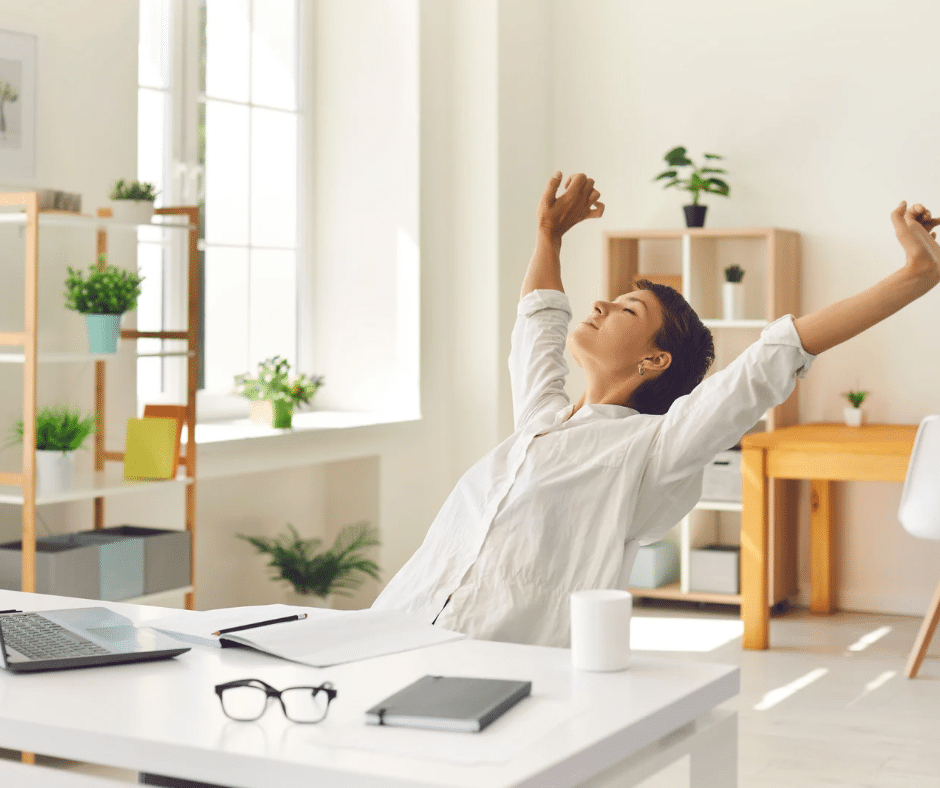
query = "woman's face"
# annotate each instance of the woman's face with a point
(618, 334)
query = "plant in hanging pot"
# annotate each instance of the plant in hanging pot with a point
(102, 298)
(132, 201)
(732, 293)
(314, 576)
(700, 180)
(852, 414)
(60, 432)
(273, 394)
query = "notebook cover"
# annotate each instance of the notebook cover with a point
(148, 450)
(449, 703)
(177, 412)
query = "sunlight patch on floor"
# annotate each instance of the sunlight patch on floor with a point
(866, 640)
(648, 633)
(775, 696)
(872, 685)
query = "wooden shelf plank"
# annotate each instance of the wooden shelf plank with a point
(100, 483)
(67, 219)
(675, 592)
(64, 356)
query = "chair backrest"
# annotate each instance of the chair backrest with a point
(919, 512)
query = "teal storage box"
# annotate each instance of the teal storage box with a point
(656, 565)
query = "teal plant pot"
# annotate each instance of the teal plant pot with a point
(103, 333)
(283, 411)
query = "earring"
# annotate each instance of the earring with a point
(642, 370)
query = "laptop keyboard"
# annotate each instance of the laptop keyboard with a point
(39, 638)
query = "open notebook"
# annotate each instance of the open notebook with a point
(324, 638)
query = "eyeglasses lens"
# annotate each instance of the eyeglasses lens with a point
(305, 704)
(244, 703)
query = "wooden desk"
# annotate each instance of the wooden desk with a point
(821, 453)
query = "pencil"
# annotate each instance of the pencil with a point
(261, 624)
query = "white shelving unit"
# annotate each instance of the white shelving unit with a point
(693, 260)
(105, 480)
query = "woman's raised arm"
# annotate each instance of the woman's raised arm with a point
(834, 324)
(556, 215)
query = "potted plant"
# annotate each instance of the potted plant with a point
(273, 394)
(132, 201)
(60, 432)
(852, 414)
(732, 293)
(700, 180)
(102, 298)
(315, 575)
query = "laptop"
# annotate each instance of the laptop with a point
(78, 638)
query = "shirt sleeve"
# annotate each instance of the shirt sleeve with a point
(728, 403)
(537, 366)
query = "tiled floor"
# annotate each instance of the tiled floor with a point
(827, 706)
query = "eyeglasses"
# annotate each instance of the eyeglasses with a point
(247, 699)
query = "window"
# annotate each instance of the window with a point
(219, 125)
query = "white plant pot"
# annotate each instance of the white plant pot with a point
(54, 471)
(732, 297)
(853, 417)
(308, 600)
(132, 211)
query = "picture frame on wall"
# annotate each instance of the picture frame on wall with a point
(17, 107)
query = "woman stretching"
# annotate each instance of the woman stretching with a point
(565, 502)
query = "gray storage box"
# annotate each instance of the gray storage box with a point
(716, 569)
(721, 480)
(64, 566)
(109, 563)
(656, 565)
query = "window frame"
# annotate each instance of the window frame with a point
(182, 170)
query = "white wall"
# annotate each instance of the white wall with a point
(826, 126)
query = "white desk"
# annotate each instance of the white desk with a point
(576, 729)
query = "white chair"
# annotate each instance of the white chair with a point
(919, 513)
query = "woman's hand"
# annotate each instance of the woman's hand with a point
(579, 201)
(914, 228)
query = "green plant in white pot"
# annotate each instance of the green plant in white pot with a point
(732, 293)
(102, 298)
(132, 201)
(274, 394)
(319, 574)
(60, 432)
(852, 414)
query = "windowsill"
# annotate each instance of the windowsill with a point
(243, 429)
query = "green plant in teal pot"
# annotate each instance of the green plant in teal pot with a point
(103, 298)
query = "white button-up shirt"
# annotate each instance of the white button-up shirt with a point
(564, 503)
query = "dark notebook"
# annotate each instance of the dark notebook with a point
(449, 703)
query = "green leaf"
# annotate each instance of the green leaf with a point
(717, 186)
(666, 174)
(677, 158)
(713, 156)
(710, 169)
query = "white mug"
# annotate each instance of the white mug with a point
(600, 629)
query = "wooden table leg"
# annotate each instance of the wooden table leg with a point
(820, 519)
(755, 610)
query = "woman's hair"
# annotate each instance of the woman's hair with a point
(687, 340)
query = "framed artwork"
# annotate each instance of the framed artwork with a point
(17, 107)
